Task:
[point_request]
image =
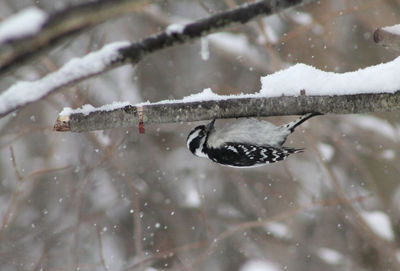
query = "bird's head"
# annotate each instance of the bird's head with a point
(197, 138)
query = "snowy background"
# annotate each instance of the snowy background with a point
(117, 200)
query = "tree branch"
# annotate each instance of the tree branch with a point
(134, 52)
(388, 37)
(203, 27)
(128, 115)
(59, 26)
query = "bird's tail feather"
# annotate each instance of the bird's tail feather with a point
(293, 150)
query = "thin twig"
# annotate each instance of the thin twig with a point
(167, 253)
(102, 260)
(14, 164)
(137, 221)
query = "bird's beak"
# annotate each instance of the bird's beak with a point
(210, 126)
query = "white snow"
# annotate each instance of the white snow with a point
(279, 230)
(237, 46)
(301, 18)
(330, 256)
(326, 151)
(86, 109)
(233, 43)
(382, 78)
(24, 23)
(388, 154)
(24, 92)
(206, 95)
(103, 138)
(274, 29)
(271, 34)
(204, 52)
(259, 265)
(318, 30)
(394, 29)
(175, 29)
(112, 252)
(192, 197)
(379, 223)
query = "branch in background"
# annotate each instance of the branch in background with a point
(185, 33)
(388, 37)
(19, 49)
(23, 93)
(220, 43)
(134, 52)
(128, 115)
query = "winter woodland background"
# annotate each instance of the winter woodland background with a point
(117, 200)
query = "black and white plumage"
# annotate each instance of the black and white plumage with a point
(246, 142)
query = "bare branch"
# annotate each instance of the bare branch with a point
(134, 52)
(259, 223)
(14, 164)
(387, 38)
(203, 27)
(59, 26)
(101, 255)
(127, 116)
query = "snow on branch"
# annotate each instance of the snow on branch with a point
(12, 99)
(128, 115)
(32, 31)
(294, 91)
(388, 37)
(24, 23)
(23, 93)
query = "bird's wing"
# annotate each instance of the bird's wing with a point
(248, 155)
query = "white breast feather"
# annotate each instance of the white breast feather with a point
(250, 131)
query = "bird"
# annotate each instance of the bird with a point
(245, 142)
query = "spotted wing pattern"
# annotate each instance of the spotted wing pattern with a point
(247, 155)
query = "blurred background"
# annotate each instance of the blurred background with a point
(120, 200)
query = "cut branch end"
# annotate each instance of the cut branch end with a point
(62, 124)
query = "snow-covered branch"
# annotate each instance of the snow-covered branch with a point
(30, 32)
(294, 91)
(23, 93)
(126, 115)
(11, 99)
